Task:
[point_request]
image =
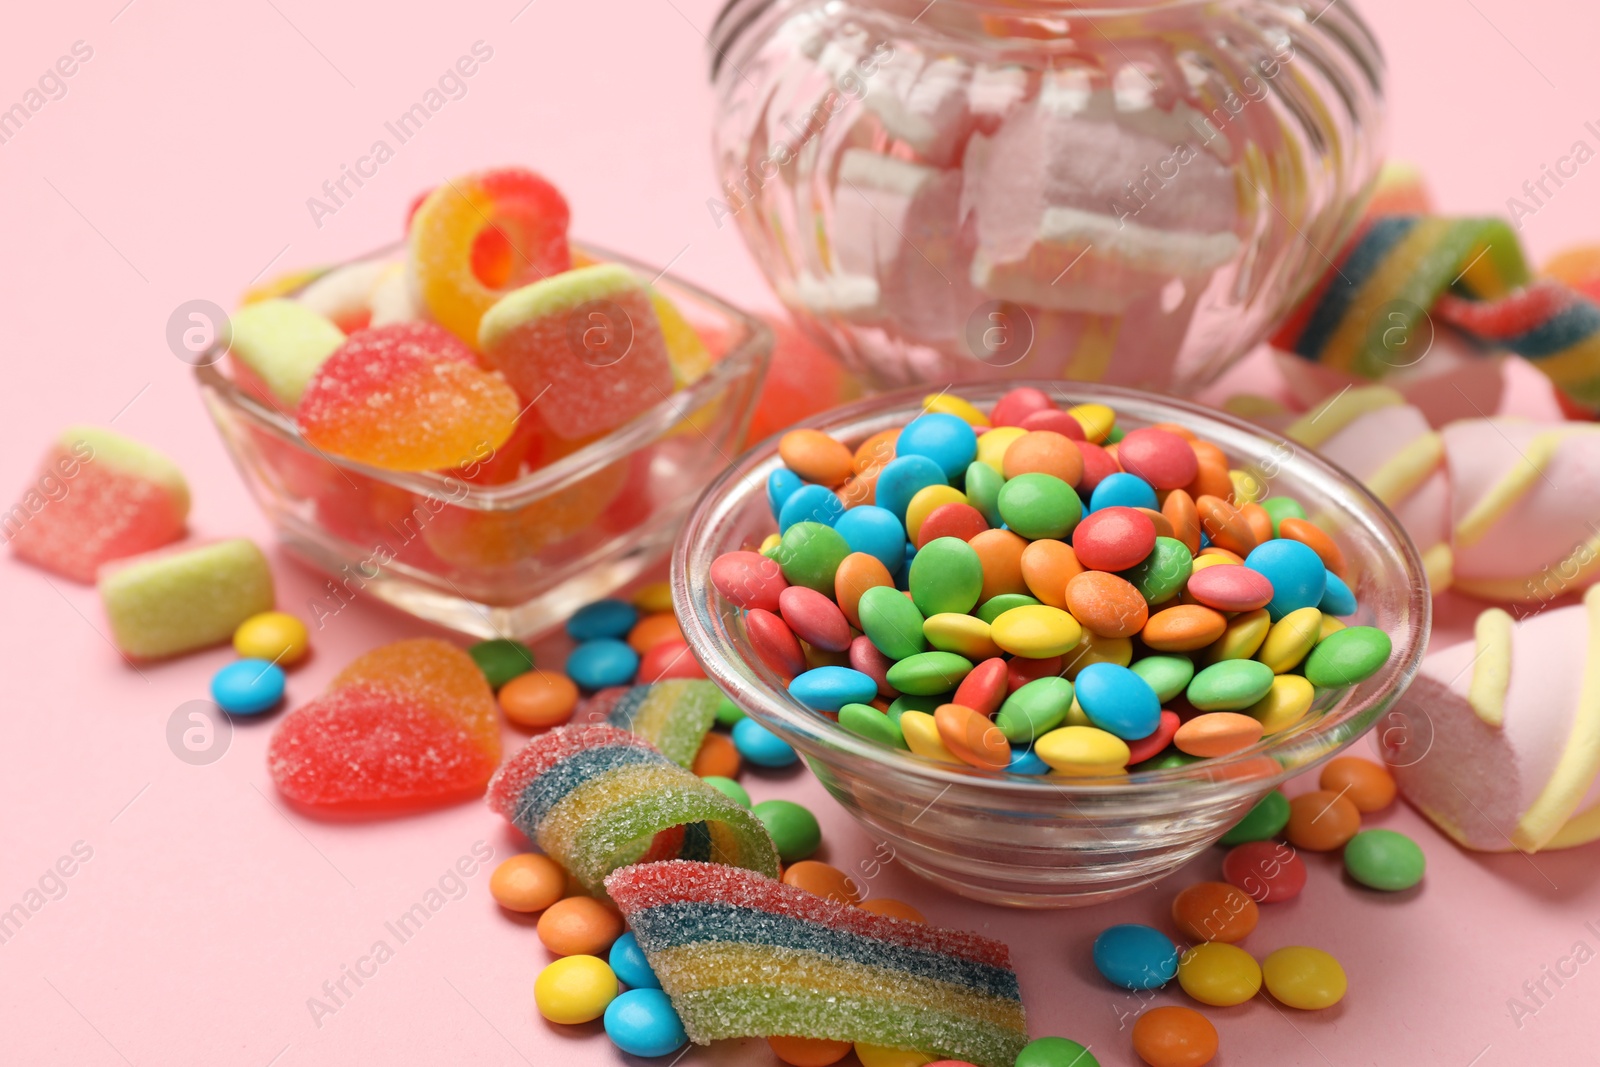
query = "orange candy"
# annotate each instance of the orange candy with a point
(823, 880)
(1174, 1037)
(1044, 452)
(1107, 604)
(1315, 538)
(859, 489)
(857, 573)
(1183, 628)
(1217, 733)
(651, 630)
(1047, 567)
(1259, 521)
(894, 909)
(1213, 479)
(717, 758)
(1367, 785)
(579, 926)
(1180, 512)
(539, 699)
(1000, 555)
(816, 457)
(1225, 525)
(876, 451)
(1214, 911)
(971, 737)
(1321, 821)
(809, 1051)
(528, 882)
(1162, 524)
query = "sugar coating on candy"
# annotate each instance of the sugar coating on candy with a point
(407, 397)
(742, 955)
(597, 797)
(588, 337)
(178, 600)
(277, 346)
(98, 496)
(673, 715)
(438, 674)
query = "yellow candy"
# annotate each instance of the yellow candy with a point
(922, 737)
(1036, 631)
(274, 636)
(965, 635)
(1076, 716)
(946, 404)
(992, 445)
(1305, 978)
(1247, 488)
(574, 989)
(1202, 562)
(1096, 420)
(1096, 649)
(770, 542)
(879, 1056)
(1330, 625)
(1290, 640)
(1084, 750)
(1285, 704)
(653, 599)
(1244, 635)
(1219, 974)
(925, 501)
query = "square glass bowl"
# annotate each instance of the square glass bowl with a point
(516, 558)
(1051, 841)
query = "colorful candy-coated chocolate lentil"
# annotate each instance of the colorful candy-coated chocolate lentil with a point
(728, 788)
(815, 456)
(1321, 821)
(831, 688)
(1243, 636)
(1298, 576)
(579, 926)
(1367, 785)
(781, 484)
(929, 673)
(925, 503)
(946, 576)
(948, 404)
(1094, 648)
(984, 688)
(1085, 751)
(867, 721)
(1269, 871)
(1047, 566)
(576, 989)
(1179, 510)
(1036, 632)
(1039, 506)
(810, 503)
(1122, 490)
(1163, 459)
(1347, 657)
(1167, 675)
(814, 618)
(1229, 685)
(965, 635)
(875, 531)
(1000, 557)
(538, 699)
(1098, 465)
(1055, 1052)
(1118, 701)
(1231, 588)
(642, 1022)
(527, 882)
(1285, 704)
(865, 657)
(1056, 422)
(1259, 520)
(1020, 671)
(1315, 538)
(1219, 974)
(773, 641)
(1149, 747)
(921, 731)
(808, 1051)
(728, 712)
(1135, 956)
(1163, 573)
(653, 598)
(1018, 404)
(1337, 599)
(717, 757)
(1026, 761)
(748, 579)
(1043, 452)
(1114, 538)
(823, 880)
(1106, 604)
(1280, 508)
(1261, 823)
(502, 659)
(602, 662)
(857, 573)
(971, 737)
(1223, 525)
(893, 622)
(1097, 420)
(809, 554)
(667, 660)
(761, 746)
(247, 686)
(902, 478)
(992, 445)
(1214, 911)
(1217, 733)
(1034, 709)
(1174, 1036)
(961, 521)
(274, 636)
(1290, 640)
(1183, 628)
(629, 964)
(652, 630)
(1305, 978)
(603, 618)
(1384, 859)
(794, 829)
(946, 439)
(874, 452)
(982, 489)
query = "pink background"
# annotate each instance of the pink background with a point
(177, 166)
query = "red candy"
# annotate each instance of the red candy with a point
(1018, 404)
(1230, 588)
(865, 657)
(1098, 465)
(774, 642)
(1152, 746)
(984, 687)
(1269, 871)
(1163, 459)
(814, 618)
(748, 579)
(668, 659)
(952, 520)
(1056, 422)
(1020, 671)
(1114, 539)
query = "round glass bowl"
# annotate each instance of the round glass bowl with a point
(1051, 841)
(1124, 191)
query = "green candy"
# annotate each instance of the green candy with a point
(1347, 656)
(1164, 571)
(1034, 709)
(728, 788)
(1039, 505)
(728, 712)
(809, 554)
(793, 829)
(1167, 675)
(996, 606)
(1383, 859)
(1166, 761)
(1230, 685)
(892, 622)
(501, 660)
(1282, 507)
(946, 575)
(1055, 1052)
(983, 490)
(1261, 823)
(908, 702)
(928, 673)
(867, 721)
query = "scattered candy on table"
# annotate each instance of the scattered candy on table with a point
(274, 636)
(247, 686)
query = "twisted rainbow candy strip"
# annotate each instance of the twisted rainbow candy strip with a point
(673, 715)
(742, 955)
(1551, 326)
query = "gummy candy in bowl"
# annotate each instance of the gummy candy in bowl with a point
(1128, 191)
(487, 552)
(1052, 841)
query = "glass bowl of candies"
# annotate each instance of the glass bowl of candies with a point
(1127, 191)
(486, 427)
(1046, 663)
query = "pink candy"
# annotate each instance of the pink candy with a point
(1163, 459)
(814, 618)
(748, 579)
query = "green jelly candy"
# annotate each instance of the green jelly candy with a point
(892, 622)
(983, 490)
(728, 788)
(928, 673)
(1282, 507)
(997, 606)
(1230, 685)
(1040, 505)
(793, 829)
(867, 721)
(908, 702)
(809, 554)
(1167, 675)
(946, 575)
(728, 712)
(1034, 710)
(1264, 821)
(501, 660)
(1383, 859)
(1347, 656)
(1055, 1052)
(1166, 761)
(1164, 571)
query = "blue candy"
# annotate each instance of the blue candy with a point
(629, 964)
(831, 688)
(603, 618)
(810, 503)
(602, 662)
(247, 686)
(1122, 490)
(642, 1022)
(1026, 761)
(761, 746)
(1135, 957)
(1297, 575)
(902, 577)
(948, 441)
(781, 484)
(1337, 599)
(901, 479)
(876, 532)
(1118, 701)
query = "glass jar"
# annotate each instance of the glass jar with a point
(1121, 190)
